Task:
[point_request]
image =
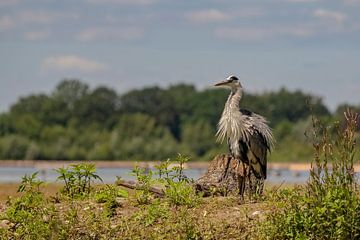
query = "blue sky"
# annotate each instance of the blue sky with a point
(313, 45)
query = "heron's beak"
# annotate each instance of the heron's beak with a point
(222, 83)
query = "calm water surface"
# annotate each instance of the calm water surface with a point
(14, 174)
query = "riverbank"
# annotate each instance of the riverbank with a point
(45, 164)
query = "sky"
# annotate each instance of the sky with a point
(312, 45)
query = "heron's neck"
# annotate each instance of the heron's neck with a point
(234, 98)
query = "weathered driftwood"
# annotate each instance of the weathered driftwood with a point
(222, 177)
(133, 185)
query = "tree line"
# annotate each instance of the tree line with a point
(75, 122)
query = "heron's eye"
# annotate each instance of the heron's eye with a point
(233, 78)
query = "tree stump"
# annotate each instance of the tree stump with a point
(222, 177)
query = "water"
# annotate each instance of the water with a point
(14, 174)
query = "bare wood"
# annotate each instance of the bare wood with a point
(134, 185)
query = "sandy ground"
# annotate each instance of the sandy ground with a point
(10, 189)
(50, 189)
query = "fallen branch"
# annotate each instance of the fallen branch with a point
(134, 185)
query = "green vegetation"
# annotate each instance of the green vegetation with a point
(76, 122)
(328, 207)
(77, 179)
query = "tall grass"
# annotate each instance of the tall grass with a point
(328, 207)
(338, 151)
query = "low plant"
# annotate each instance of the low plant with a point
(178, 169)
(77, 179)
(109, 196)
(144, 182)
(181, 193)
(153, 212)
(178, 187)
(29, 216)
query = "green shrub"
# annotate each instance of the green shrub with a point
(143, 186)
(178, 188)
(181, 193)
(329, 206)
(30, 216)
(77, 179)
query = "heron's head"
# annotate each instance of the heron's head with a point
(231, 82)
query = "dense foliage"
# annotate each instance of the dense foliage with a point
(77, 122)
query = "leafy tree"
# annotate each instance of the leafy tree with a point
(182, 95)
(32, 104)
(70, 92)
(13, 147)
(42, 107)
(137, 136)
(207, 105)
(27, 125)
(291, 106)
(53, 133)
(6, 125)
(76, 122)
(100, 106)
(198, 137)
(154, 102)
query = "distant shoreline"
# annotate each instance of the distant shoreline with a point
(50, 164)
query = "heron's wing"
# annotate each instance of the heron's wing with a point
(257, 153)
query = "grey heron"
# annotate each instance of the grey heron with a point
(248, 135)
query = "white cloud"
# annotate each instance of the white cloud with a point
(124, 2)
(73, 63)
(257, 33)
(334, 16)
(36, 35)
(207, 16)
(98, 33)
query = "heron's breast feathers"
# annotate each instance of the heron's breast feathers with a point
(237, 126)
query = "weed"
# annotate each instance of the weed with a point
(153, 212)
(178, 189)
(77, 179)
(163, 169)
(144, 182)
(181, 193)
(178, 171)
(30, 215)
(109, 196)
(30, 184)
